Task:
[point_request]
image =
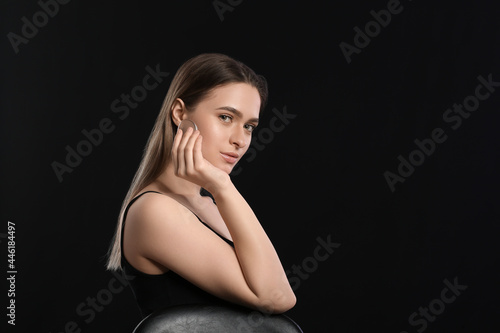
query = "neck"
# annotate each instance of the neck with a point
(168, 182)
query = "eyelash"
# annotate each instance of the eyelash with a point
(223, 117)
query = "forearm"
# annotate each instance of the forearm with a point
(258, 258)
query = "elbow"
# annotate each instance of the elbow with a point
(287, 303)
(278, 304)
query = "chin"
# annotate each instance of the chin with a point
(224, 167)
(227, 169)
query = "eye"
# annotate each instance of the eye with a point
(225, 118)
(250, 127)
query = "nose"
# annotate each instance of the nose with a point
(239, 138)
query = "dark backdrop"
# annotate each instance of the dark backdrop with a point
(362, 256)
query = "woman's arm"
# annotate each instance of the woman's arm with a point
(256, 255)
(259, 261)
(166, 232)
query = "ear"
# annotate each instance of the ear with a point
(179, 111)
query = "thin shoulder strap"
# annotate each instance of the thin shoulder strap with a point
(132, 201)
(138, 196)
(125, 216)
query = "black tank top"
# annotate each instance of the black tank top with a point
(153, 292)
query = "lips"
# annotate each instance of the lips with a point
(230, 157)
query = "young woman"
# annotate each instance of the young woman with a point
(177, 243)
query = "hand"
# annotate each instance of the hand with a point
(190, 164)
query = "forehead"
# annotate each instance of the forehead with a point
(240, 96)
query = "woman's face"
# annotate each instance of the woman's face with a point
(226, 119)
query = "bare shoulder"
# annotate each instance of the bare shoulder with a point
(152, 209)
(153, 219)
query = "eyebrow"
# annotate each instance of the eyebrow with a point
(237, 113)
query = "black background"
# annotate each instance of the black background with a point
(321, 176)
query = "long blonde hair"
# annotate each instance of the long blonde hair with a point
(193, 81)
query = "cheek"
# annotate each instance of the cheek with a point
(211, 141)
(247, 146)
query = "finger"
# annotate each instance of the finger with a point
(189, 152)
(181, 151)
(175, 149)
(198, 155)
(185, 138)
